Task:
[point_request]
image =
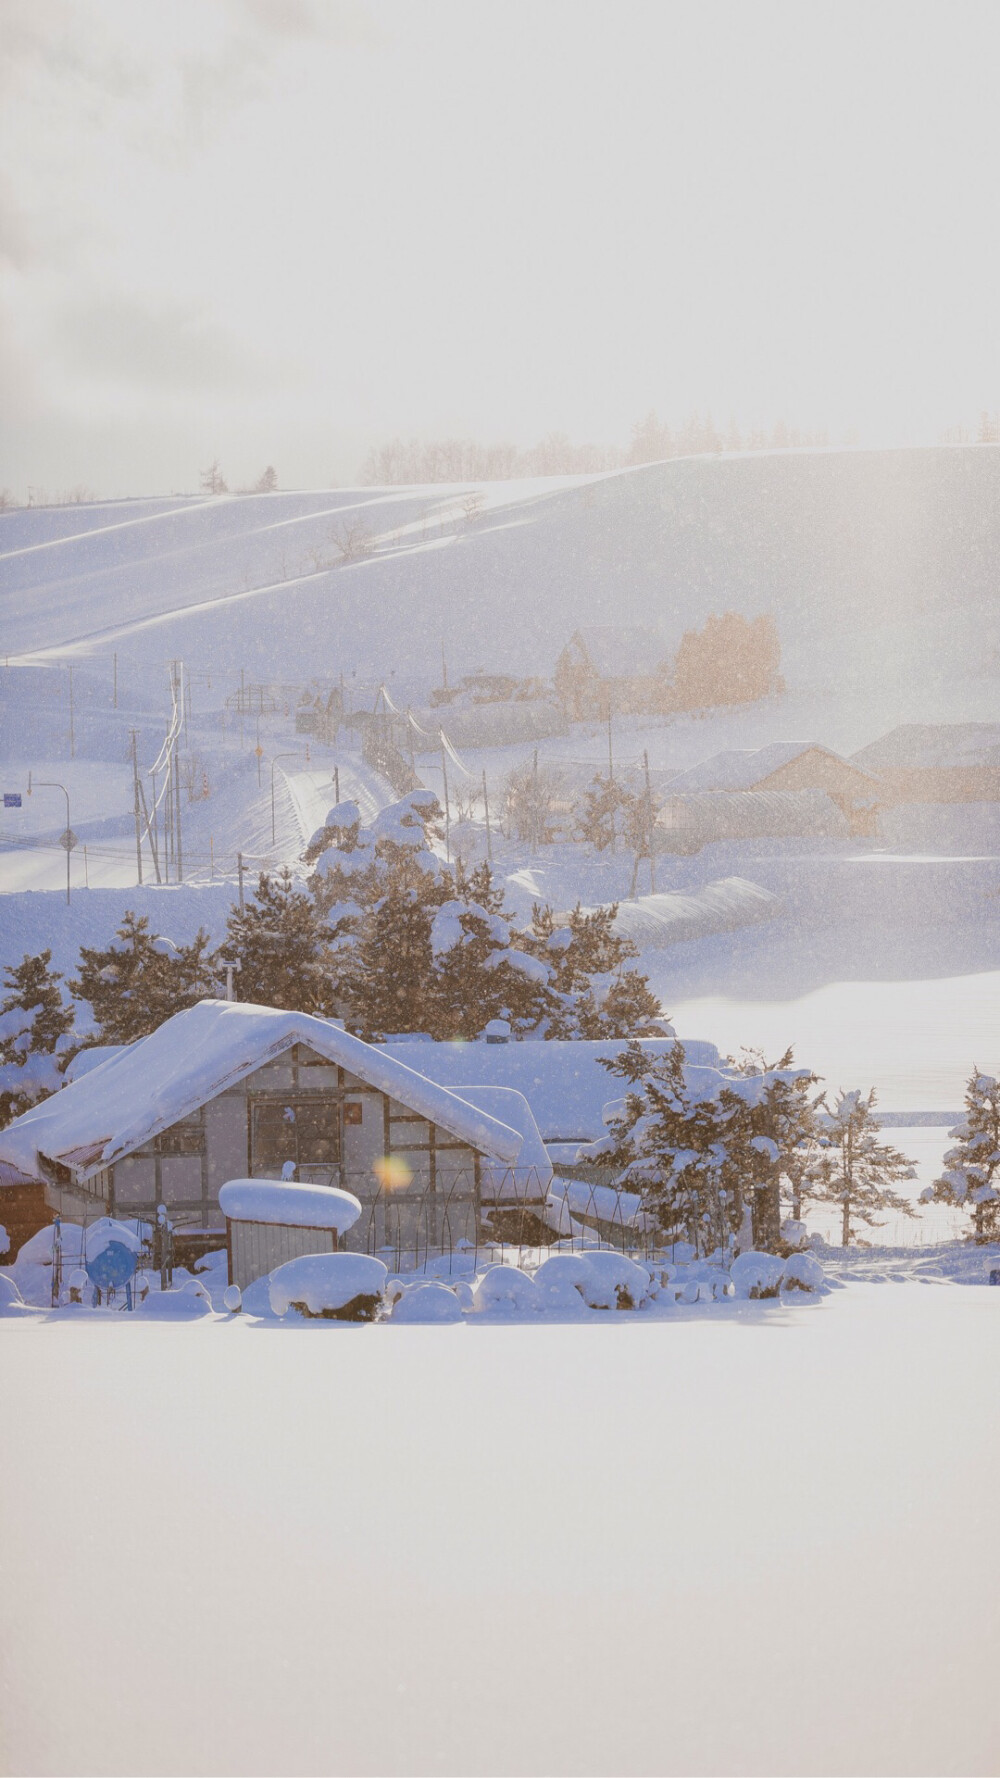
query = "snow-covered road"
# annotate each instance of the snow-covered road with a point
(754, 1540)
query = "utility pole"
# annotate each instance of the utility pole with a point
(534, 801)
(177, 811)
(150, 821)
(444, 669)
(239, 868)
(486, 806)
(135, 795)
(649, 824)
(336, 784)
(611, 779)
(114, 699)
(72, 731)
(447, 806)
(242, 695)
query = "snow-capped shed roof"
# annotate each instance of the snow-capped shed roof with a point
(561, 1078)
(619, 652)
(940, 746)
(533, 1172)
(290, 1204)
(743, 770)
(198, 1054)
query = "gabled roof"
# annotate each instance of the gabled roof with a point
(619, 652)
(744, 770)
(925, 746)
(561, 1078)
(198, 1054)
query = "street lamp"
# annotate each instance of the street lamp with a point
(69, 838)
(273, 764)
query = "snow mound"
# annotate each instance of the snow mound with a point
(290, 1204)
(345, 1286)
(765, 1274)
(803, 1272)
(613, 1281)
(757, 1274)
(175, 1305)
(232, 1299)
(563, 1280)
(506, 1291)
(721, 906)
(427, 1302)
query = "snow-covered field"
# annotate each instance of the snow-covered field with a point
(745, 1538)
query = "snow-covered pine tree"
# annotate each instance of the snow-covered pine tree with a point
(769, 1122)
(282, 943)
(481, 971)
(972, 1170)
(134, 985)
(666, 1141)
(593, 992)
(858, 1170)
(393, 987)
(35, 1041)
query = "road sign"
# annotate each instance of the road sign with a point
(68, 839)
(12, 799)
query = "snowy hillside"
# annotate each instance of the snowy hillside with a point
(870, 561)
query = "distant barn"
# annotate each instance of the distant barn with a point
(947, 762)
(787, 767)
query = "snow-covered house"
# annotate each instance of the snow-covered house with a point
(787, 768)
(607, 669)
(947, 762)
(697, 818)
(229, 1091)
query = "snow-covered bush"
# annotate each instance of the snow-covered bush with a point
(427, 1302)
(803, 1272)
(562, 1279)
(757, 1274)
(795, 1235)
(232, 1299)
(505, 1290)
(334, 1286)
(614, 1282)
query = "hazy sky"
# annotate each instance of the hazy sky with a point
(282, 230)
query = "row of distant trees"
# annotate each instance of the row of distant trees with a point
(400, 461)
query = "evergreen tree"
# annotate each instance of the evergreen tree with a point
(769, 1128)
(972, 1170)
(35, 1026)
(282, 942)
(666, 1141)
(393, 988)
(593, 994)
(860, 1170)
(135, 985)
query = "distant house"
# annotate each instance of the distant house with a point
(228, 1091)
(610, 670)
(699, 818)
(789, 766)
(949, 762)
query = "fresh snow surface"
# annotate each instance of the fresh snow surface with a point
(289, 1203)
(639, 1524)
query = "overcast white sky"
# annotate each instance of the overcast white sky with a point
(282, 230)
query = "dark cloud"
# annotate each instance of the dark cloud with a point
(129, 343)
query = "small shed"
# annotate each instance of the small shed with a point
(269, 1221)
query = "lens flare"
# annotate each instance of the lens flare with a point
(392, 1172)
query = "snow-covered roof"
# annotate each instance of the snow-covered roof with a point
(619, 652)
(533, 1173)
(198, 1054)
(289, 1204)
(941, 746)
(741, 770)
(562, 1079)
(94, 1056)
